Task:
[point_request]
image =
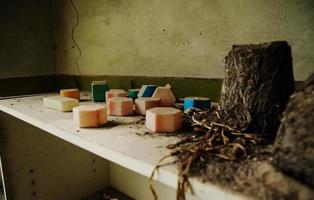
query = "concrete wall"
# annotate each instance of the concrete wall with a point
(26, 41)
(178, 37)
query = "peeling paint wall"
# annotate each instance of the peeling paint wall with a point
(26, 41)
(179, 37)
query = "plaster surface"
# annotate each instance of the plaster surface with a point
(178, 38)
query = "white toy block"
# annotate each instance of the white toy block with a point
(60, 103)
(167, 99)
(164, 119)
(120, 106)
(144, 103)
(90, 115)
(115, 93)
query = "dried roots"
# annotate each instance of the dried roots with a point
(211, 139)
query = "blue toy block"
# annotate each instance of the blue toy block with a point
(147, 90)
(197, 102)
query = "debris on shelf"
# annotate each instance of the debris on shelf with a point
(257, 85)
(211, 139)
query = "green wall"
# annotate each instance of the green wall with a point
(26, 40)
(180, 38)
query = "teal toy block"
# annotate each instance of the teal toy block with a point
(132, 93)
(99, 89)
(147, 90)
(197, 102)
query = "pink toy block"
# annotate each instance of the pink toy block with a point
(144, 103)
(166, 96)
(115, 93)
(89, 115)
(164, 119)
(120, 106)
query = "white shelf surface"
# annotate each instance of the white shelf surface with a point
(119, 144)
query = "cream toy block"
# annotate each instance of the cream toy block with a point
(120, 106)
(166, 96)
(90, 115)
(164, 119)
(71, 93)
(144, 103)
(115, 93)
(60, 103)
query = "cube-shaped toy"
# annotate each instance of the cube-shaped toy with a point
(115, 93)
(120, 106)
(167, 99)
(99, 89)
(89, 115)
(144, 103)
(70, 93)
(197, 102)
(132, 93)
(179, 105)
(164, 119)
(60, 103)
(147, 90)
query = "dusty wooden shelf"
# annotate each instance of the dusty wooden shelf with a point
(108, 193)
(118, 142)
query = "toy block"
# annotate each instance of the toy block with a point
(164, 119)
(115, 93)
(147, 90)
(70, 93)
(179, 106)
(132, 93)
(144, 103)
(90, 115)
(60, 103)
(167, 99)
(120, 106)
(99, 89)
(197, 102)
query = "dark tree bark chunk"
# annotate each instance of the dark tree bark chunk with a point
(258, 82)
(294, 146)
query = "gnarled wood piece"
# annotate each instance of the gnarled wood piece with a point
(258, 82)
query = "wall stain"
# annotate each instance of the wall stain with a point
(107, 21)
